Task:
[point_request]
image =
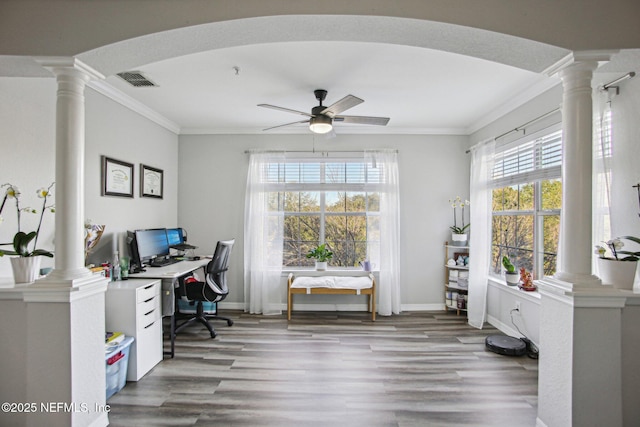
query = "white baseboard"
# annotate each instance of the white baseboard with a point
(336, 307)
(503, 327)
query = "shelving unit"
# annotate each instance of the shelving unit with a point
(455, 290)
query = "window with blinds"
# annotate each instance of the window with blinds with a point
(527, 197)
(533, 160)
(332, 201)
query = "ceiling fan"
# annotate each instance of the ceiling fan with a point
(321, 118)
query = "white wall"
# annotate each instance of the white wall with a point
(433, 169)
(27, 144)
(27, 140)
(117, 132)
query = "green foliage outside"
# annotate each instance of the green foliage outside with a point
(346, 225)
(513, 225)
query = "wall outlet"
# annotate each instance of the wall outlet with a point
(517, 306)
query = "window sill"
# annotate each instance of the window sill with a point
(498, 283)
(338, 271)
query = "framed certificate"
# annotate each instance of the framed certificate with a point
(117, 178)
(151, 182)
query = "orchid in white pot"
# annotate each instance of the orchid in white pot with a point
(620, 269)
(27, 264)
(459, 233)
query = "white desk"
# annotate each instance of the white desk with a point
(169, 275)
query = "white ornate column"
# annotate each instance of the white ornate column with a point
(64, 320)
(575, 246)
(72, 76)
(580, 378)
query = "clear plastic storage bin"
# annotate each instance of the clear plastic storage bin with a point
(117, 361)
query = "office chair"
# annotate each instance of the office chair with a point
(213, 289)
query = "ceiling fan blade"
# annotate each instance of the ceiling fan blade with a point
(287, 124)
(345, 103)
(288, 110)
(362, 120)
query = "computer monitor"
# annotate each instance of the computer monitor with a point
(152, 243)
(175, 236)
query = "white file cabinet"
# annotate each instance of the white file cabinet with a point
(134, 307)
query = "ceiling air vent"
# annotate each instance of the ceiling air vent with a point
(136, 78)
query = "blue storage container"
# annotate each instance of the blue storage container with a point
(117, 360)
(185, 306)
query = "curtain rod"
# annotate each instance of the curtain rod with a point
(523, 126)
(618, 80)
(315, 151)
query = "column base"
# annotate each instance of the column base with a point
(577, 281)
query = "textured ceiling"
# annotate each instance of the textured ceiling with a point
(428, 77)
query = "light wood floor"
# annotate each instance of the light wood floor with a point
(333, 369)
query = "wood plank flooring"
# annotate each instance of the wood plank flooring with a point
(330, 369)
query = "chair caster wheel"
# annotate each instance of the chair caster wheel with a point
(229, 322)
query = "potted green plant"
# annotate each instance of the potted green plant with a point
(26, 265)
(510, 274)
(620, 269)
(322, 255)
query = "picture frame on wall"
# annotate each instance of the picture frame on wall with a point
(151, 182)
(117, 177)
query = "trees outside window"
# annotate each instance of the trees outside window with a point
(328, 202)
(527, 199)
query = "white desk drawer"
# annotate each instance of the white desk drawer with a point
(148, 292)
(148, 350)
(149, 309)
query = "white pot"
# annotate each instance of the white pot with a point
(321, 266)
(512, 278)
(459, 239)
(25, 269)
(619, 274)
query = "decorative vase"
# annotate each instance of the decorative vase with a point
(619, 274)
(25, 269)
(459, 239)
(512, 279)
(321, 266)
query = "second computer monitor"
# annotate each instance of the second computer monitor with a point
(175, 236)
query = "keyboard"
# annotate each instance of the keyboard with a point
(163, 262)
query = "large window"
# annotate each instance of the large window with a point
(327, 201)
(527, 197)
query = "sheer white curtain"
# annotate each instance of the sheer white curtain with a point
(601, 185)
(482, 160)
(263, 239)
(389, 287)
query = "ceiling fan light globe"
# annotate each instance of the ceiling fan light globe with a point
(320, 124)
(320, 127)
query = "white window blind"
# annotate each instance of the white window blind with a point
(323, 175)
(537, 159)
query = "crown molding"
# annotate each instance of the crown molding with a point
(517, 101)
(303, 130)
(104, 88)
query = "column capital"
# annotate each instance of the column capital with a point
(588, 58)
(66, 65)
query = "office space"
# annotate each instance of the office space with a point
(135, 135)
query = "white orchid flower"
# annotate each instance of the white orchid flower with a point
(13, 192)
(42, 192)
(615, 243)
